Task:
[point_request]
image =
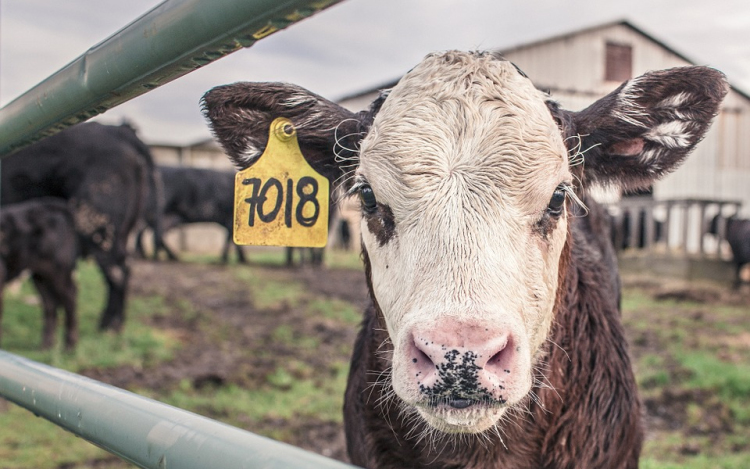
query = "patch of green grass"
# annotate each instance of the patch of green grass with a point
(266, 255)
(652, 372)
(27, 442)
(269, 293)
(699, 462)
(702, 461)
(285, 334)
(139, 344)
(677, 450)
(689, 346)
(338, 310)
(20, 447)
(339, 259)
(633, 299)
(730, 380)
(285, 397)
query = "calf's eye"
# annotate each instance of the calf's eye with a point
(556, 202)
(367, 197)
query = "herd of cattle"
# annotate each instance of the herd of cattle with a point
(81, 193)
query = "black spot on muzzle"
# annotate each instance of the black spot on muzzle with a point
(458, 382)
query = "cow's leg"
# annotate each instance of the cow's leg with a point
(100, 233)
(139, 251)
(225, 249)
(67, 292)
(158, 244)
(228, 243)
(737, 276)
(106, 208)
(170, 254)
(116, 273)
(317, 256)
(289, 257)
(49, 305)
(167, 223)
(2, 287)
(162, 246)
(240, 254)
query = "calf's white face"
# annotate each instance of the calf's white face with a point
(463, 173)
(462, 161)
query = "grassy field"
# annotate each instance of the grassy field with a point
(281, 371)
(29, 442)
(691, 348)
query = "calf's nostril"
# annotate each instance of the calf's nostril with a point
(420, 358)
(499, 362)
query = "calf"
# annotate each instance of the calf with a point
(493, 338)
(105, 172)
(738, 236)
(193, 195)
(39, 236)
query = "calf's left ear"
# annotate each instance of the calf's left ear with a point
(646, 127)
(240, 116)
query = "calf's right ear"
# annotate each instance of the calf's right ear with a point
(646, 127)
(240, 116)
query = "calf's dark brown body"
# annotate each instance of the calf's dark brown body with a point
(591, 419)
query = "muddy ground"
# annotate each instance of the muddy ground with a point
(216, 297)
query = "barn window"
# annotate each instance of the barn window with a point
(619, 62)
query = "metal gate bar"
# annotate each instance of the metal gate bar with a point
(175, 38)
(142, 431)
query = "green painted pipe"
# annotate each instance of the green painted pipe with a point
(175, 38)
(142, 431)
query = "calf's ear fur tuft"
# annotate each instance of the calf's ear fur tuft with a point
(240, 116)
(646, 127)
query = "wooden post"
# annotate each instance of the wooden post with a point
(667, 224)
(702, 229)
(686, 216)
(650, 229)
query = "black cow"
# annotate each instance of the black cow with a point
(39, 236)
(193, 195)
(738, 236)
(105, 173)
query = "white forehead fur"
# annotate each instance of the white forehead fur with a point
(464, 118)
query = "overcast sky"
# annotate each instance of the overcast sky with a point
(352, 46)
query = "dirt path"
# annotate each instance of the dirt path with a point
(229, 341)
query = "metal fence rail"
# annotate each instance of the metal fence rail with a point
(175, 38)
(142, 431)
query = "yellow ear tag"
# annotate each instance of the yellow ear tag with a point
(281, 200)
